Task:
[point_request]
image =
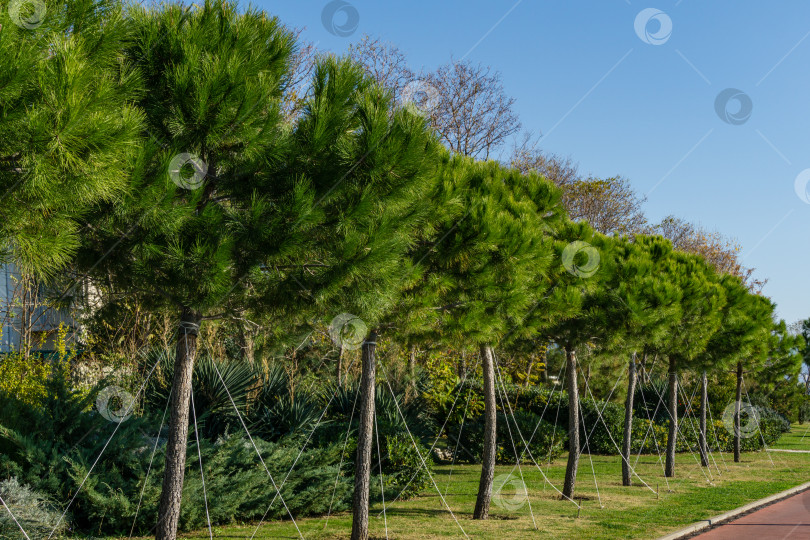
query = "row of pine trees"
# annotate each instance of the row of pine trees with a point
(150, 148)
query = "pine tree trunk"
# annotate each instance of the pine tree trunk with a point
(628, 422)
(488, 459)
(737, 414)
(339, 366)
(673, 419)
(573, 424)
(704, 404)
(362, 475)
(171, 494)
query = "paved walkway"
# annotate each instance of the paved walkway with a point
(789, 518)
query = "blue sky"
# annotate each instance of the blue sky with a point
(597, 92)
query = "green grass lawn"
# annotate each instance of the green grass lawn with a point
(612, 512)
(797, 439)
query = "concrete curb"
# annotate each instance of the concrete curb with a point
(728, 516)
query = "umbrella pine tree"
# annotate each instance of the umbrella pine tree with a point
(70, 129)
(232, 209)
(746, 322)
(701, 302)
(486, 265)
(586, 257)
(638, 306)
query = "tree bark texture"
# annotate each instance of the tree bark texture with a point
(737, 414)
(362, 475)
(628, 422)
(704, 404)
(573, 424)
(490, 416)
(673, 419)
(172, 491)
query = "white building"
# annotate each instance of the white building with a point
(24, 312)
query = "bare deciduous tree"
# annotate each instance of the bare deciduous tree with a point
(610, 205)
(384, 62)
(526, 157)
(721, 252)
(466, 103)
(473, 115)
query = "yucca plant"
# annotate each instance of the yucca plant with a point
(274, 384)
(212, 402)
(342, 399)
(290, 416)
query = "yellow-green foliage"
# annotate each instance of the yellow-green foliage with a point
(539, 365)
(442, 391)
(24, 376)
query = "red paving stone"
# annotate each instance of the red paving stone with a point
(789, 518)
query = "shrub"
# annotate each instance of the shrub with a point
(552, 407)
(648, 437)
(722, 438)
(389, 412)
(24, 378)
(403, 468)
(650, 399)
(548, 441)
(76, 434)
(779, 422)
(289, 416)
(242, 491)
(445, 394)
(236, 483)
(108, 501)
(214, 408)
(544, 439)
(32, 510)
(399, 459)
(604, 425)
(604, 435)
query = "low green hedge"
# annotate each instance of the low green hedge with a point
(602, 424)
(718, 436)
(544, 440)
